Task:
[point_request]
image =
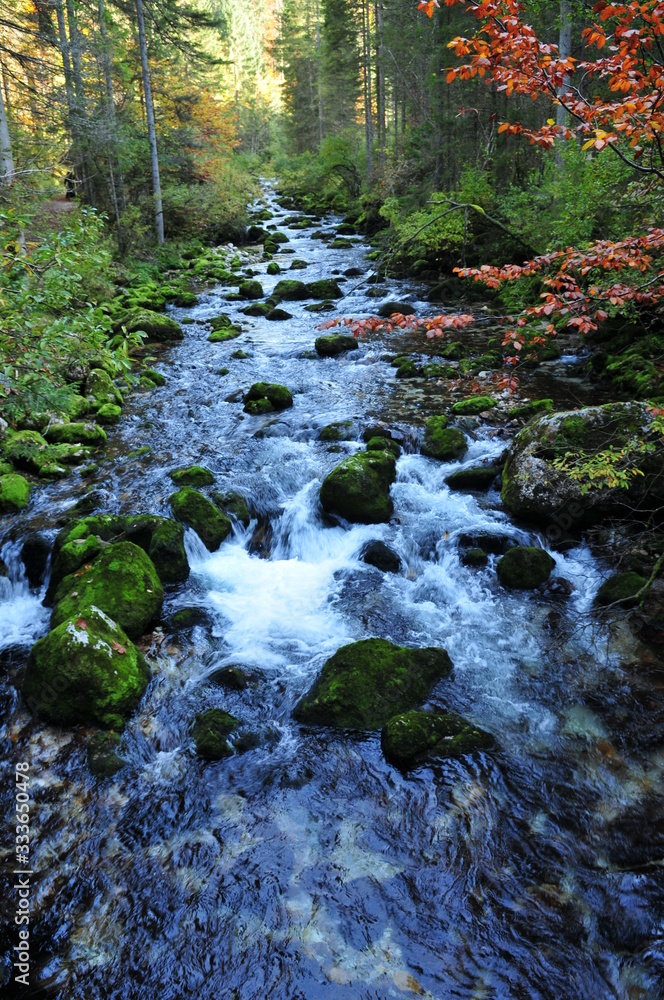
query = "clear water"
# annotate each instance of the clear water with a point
(309, 867)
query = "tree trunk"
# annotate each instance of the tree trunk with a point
(380, 86)
(368, 117)
(152, 134)
(117, 182)
(564, 51)
(6, 158)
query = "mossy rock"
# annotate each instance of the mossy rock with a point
(359, 488)
(443, 442)
(480, 477)
(622, 587)
(365, 683)
(434, 370)
(335, 344)
(109, 413)
(26, 450)
(278, 315)
(340, 431)
(104, 761)
(527, 410)
(291, 290)
(340, 244)
(317, 307)
(475, 557)
(155, 376)
(14, 493)
(86, 670)
(390, 308)
(251, 289)
(76, 433)
(6, 469)
(233, 505)
(193, 475)
(211, 526)
(298, 265)
(122, 581)
(326, 288)
(524, 567)
(185, 299)
(408, 369)
(79, 406)
(227, 333)
(454, 351)
(257, 309)
(474, 405)
(220, 322)
(155, 325)
(277, 237)
(273, 268)
(99, 388)
(412, 737)
(240, 355)
(384, 444)
(278, 397)
(231, 677)
(82, 540)
(211, 731)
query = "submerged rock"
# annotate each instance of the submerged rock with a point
(412, 737)
(365, 683)
(85, 670)
(104, 761)
(14, 493)
(121, 581)
(524, 567)
(211, 526)
(233, 505)
(359, 488)
(443, 442)
(474, 557)
(211, 731)
(536, 486)
(480, 477)
(335, 344)
(381, 556)
(263, 397)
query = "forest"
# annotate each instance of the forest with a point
(331, 499)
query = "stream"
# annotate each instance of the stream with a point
(309, 867)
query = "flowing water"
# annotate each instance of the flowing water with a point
(308, 867)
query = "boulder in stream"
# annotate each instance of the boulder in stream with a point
(211, 526)
(390, 308)
(121, 581)
(473, 405)
(156, 325)
(443, 442)
(192, 475)
(291, 290)
(100, 390)
(621, 587)
(524, 567)
(365, 683)
(334, 344)
(411, 738)
(75, 433)
(479, 477)
(86, 670)
(544, 476)
(263, 397)
(381, 556)
(211, 731)
(251, 289)
(326, 288)
(358, 488)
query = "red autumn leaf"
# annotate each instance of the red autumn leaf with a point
(118, 648)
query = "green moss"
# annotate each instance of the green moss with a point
(155, 376)
(74, 554)
(257, 309)
(298, 265)
(167, 551)
(251, 290)
(367, 682)
(211, 526)
(435, 370)
(475, 557)
(273, 268)
(278, 397)
(211, 730)
(240, 355)
(80, 433)
(221, 336)
(335, 344)
(411, 737)
(621, 587)
(340, 244)
(358, 488)
(193, 475)
(104, 761)
(529, 409)
(524, 567)
(233, 505)
(109, 413)
(317, 307)
(26, 450)
(443, 442)
(14, 493)
(77, 406)
(408, 369)
(480, 477)
(85, 670)
(6, 468)
(454, 351)
(384, 444)
(185, 299)
(326, 288)
(99, 389)
(291, 290)
(155, 325)
(474, 405)
(258, 407)
(277, 315)
(340, 431)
